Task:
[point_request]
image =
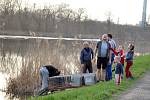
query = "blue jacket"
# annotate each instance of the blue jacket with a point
(86, 55)
(119, 69)
(129, 56)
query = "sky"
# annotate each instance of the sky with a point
(127, 11)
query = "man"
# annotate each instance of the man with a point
(46, 72)
(103, 57)
(109, 67)
(86, 57)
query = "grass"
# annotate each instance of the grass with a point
(105, 90)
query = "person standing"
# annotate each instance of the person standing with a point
(118, 70)
(103, 57)
(86, 57)
(120, 53)
(129, 61)
(109, 67)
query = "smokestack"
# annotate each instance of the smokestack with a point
(144, 13)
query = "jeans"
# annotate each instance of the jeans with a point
(109, 68)
(127, 70)
(109, 72)
(44, 74)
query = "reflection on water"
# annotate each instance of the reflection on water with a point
(17, 52)
(9, 61)
(21, 59)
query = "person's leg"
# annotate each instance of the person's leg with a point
(84, 68)
(104, 65)
(116, 78)
(45, 75)
(89, 67)
(130, 74)
(119, 81)
(122, 74)
(122, 71)
(109, 68)
(98, 72)
(106, 78)
(109, 72)
(103, 74)
(127, 69)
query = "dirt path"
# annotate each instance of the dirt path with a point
(141, 91)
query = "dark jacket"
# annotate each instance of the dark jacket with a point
(129, 56)
(99, 44)
(52, 70)
(86, 55)
(119, 69)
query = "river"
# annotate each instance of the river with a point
(20, 52)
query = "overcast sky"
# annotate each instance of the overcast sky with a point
(128, 11)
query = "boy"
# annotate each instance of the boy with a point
(120, 53)
(118, 70)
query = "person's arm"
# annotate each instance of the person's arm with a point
(114, 51)
(81, 57)
(92, 53)
(96, 49)
(110, 53)
(95, 53)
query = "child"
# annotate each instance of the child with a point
(120, 53)
(118, 70)
(129, 60)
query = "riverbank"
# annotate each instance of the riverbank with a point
(103, 90)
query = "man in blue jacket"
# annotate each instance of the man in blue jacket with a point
(86, 57)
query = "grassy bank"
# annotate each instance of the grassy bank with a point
(102, 90)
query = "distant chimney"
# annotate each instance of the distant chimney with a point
(143, 24)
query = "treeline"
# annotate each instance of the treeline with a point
(52, 18)
(56, 20)
(14, 15)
